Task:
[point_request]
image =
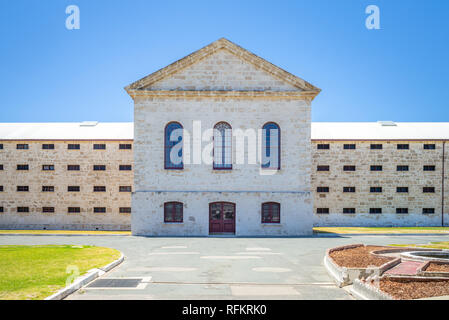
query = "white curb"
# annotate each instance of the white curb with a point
(85, 279)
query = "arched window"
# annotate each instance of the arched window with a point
(222, 146)
(271, 146)
(173, 212)
(173, 146)
(271, 212)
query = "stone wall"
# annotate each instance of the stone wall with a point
(389, 157)
(35, 157)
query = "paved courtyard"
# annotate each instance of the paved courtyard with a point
(220, 268)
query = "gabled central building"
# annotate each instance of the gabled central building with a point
(222, 145)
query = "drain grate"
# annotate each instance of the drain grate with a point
(115, 283)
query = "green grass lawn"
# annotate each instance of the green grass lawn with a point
(36, 272)
(431, 245)
(391, 230)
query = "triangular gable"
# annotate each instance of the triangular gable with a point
(223, 46)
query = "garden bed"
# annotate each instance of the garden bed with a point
(407, 288)
(437, 267)
(359, 257)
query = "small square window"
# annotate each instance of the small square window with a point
(73, 146)
(48, 167)
(73, 209)
(322, 189)
(402, 168)
(48, 209)
(23, 209)
(48, 188)
(322, 168)
(1, 146)
(428, 168)
(322, 210)
(48, 146)
(73, 167)
(100, 210)
(402, 189)
(1, 188)
(73, 188)
(323, 146)
(375, 189)
(2, 209)
(375, 210)
(428, 189)
(402, 146)
(429, 146)
(125, 167)
(23, 188)
(125, 189)
(349, 210)
(375, 146)
(428, 210)
(348, 168)
(125, 209)
(1, 167)
(22, 167)
(99, 189)
(349, 146)
(376, 168)
(99, 167)
(401, 210)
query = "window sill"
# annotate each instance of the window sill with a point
(273, 224)
(173, 222)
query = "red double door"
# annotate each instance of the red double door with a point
(221, 217)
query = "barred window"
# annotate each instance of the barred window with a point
(48, 167)
(376, 168)
(401, 210)
(375, 189)
(73, 167)
(322, 210)
(48, 209)
(125, 209)
(125, 146)
(99, 146)
(73, 188)
(73, 209)
(271, 212)
(428, 210)
(322, 189)
(23, 209)
(1, 188)
(99, 167)
(429, 168)
(402, 146)
(348, 168)
(348, 210)
(99, 188)
(429, 146)
(23, 188)
(124, 188)
(125, 167)
(402, 189)
(1, 146)
(1, 167)
(48, 146)
(22, 167)
(375, 210)
(428, 189)
(348, 189)
(2, 209)
(402, 168)
(22, 146)
(322, 168)
(375, 146)
(350, 146)
(222, 146)
(323, 146)
(173, 212)
(73, 146)
(48, 188)
(99, 209)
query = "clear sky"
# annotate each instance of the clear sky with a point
(49, 73)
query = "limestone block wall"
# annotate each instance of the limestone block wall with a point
(389, 157)
(150, 119)
(60, 178)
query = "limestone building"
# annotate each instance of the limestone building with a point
(222, 143)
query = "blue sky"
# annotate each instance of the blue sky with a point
(49, 73)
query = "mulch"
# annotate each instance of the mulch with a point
(359, 257)
(405, 289)
(437, 267)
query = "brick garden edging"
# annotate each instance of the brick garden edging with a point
(85, 279)
(344, 276)
(431, 274)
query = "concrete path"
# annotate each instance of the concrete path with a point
(219, 268)
(406, 268)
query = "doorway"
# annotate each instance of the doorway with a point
(222, 218)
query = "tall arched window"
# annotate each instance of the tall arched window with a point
(222, 146)
(271, 146)
(271, 212)
(173, 146)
